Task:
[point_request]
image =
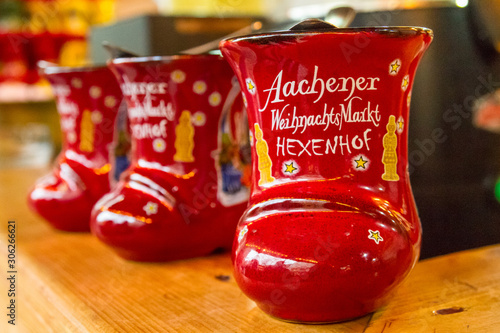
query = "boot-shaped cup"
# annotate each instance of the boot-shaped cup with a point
(88, 100)
(189, 179)
(332, 227)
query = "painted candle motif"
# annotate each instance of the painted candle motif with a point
(390, 157)
(184, 139)
(264, 161)
(87, 132)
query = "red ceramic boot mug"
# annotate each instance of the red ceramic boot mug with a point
(87, 100)
(188, 183)
(332, 227)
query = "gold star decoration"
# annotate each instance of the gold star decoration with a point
(400, 125)
(290, 168)
(406, 82)
(250, 86)
(360, 162)
(395, 67)
(375, 235)
(242, 233)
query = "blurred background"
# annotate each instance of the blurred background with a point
(454, 143)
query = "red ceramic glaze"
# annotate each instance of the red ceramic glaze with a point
(87, 101)
(189, 179)
(332, 227)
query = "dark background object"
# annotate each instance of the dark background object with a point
(152, 35)
(452, 163)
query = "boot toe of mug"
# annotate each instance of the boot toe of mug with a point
(142, 226)
(321, 266)
(65, 205)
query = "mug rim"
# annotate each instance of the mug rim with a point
(161, 58)
(393, 31)
(52, 68)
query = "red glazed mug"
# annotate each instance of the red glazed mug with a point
(332, 227)
(88, 100)
(188, 183)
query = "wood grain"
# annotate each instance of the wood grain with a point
(73, 283)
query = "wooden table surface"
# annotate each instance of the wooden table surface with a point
(72, 283)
